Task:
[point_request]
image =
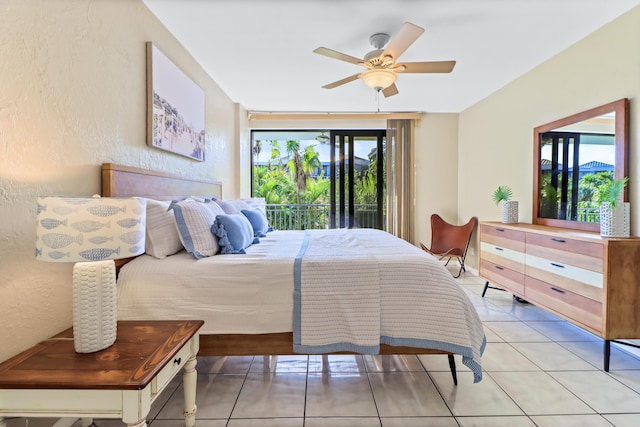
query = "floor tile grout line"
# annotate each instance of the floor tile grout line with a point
(244, 381)
(373, 395)
(435, 384)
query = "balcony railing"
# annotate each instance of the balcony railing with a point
(294, 216)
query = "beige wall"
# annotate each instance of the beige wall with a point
(436, 172)
(496, 134)
(72, 96)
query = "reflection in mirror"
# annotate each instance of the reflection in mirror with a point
(574, 156)
(575, 160)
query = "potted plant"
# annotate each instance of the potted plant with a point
(509, 207)
(614, 214)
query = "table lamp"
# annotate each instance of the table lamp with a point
(92, 232)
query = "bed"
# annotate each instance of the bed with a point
(389, 297)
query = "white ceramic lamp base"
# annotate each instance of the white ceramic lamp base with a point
(94, 306)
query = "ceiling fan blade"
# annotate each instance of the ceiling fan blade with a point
(343, 81)
(426, 67)
(390, 91)
(408, 34)
(337, 55)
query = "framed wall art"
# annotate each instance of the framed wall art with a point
(175, 108)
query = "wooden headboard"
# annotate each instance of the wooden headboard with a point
(127, 181)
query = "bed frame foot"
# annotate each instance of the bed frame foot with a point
(452, 366)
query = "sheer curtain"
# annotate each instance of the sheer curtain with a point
(400, 178)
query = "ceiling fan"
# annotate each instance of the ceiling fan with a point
(381, 68)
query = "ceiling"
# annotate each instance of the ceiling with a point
(260, 52)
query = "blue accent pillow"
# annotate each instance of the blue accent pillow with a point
(258, 221)
(234, 233)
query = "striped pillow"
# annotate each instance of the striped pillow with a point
(194, 221)
(162, 238)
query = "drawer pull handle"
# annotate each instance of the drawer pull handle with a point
(177, 360)
(557, 265)
(499, 249)
(499, 268)
(557, 290)
(555, 239)
(500, 230)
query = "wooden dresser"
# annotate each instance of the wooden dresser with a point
(591, 281)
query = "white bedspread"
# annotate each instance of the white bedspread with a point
(357, 289)
(420, 304)
(233, 294)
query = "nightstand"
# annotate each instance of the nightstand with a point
(122, 381)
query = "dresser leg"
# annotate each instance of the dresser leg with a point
(607, 354)
(486, 286)
(189, 379)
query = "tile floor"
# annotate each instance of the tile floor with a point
(539, 371)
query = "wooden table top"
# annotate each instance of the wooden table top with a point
(141, 350)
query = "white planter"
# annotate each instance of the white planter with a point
(614, 222)
(510, 212)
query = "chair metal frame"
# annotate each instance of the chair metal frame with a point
(450, 241)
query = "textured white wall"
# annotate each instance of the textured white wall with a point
(496, 134)
(72, 96)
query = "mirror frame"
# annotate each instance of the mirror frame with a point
(621, 109)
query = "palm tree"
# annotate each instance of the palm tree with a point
(296, 166)
(257, 148)
(275, 153)
(311, 160)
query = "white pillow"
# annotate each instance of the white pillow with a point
(231, 206)
(227, 206)
(162, 238)
(258, 203)
(194, 221)
(239, 205)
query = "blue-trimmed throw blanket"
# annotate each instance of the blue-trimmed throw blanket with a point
(357, 289)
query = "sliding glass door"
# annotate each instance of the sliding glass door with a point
(357, 179)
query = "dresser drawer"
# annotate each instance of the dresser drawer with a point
(586, 255)
(502, 256)
(503, 237)
(576, 307)
(575, 279)
(502, 276)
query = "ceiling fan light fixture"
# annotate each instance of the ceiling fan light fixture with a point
(379, 78)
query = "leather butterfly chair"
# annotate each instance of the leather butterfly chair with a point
(450, 241)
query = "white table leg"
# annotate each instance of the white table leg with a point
(3, 423)
(189, 379)
(142, 423)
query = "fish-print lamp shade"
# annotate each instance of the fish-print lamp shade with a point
(92, 232)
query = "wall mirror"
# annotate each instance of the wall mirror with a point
(572, 157)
